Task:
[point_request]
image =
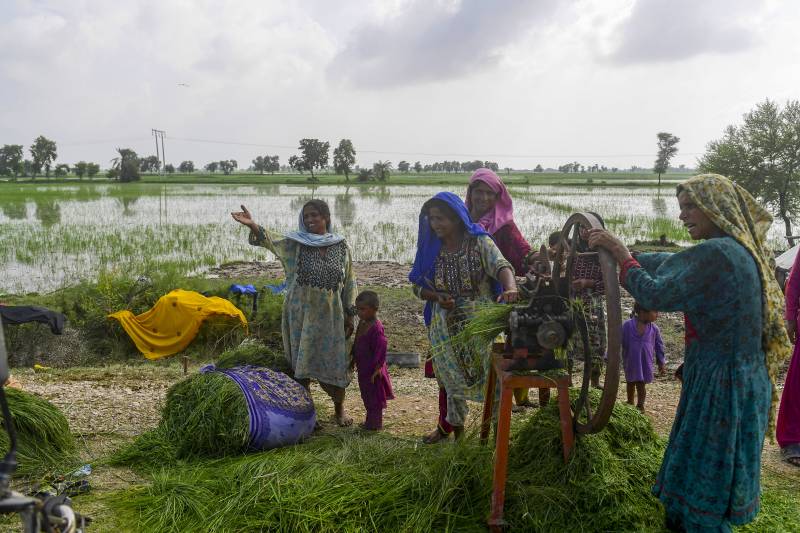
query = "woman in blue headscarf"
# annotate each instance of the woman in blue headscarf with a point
(320, 295)
(457, 267)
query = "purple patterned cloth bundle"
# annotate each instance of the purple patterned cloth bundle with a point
(281, 410)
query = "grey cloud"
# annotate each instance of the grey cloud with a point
(431, 41)
(664, 31)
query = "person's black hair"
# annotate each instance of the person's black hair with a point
(319, 205)
(369, 298)
(639, 308)
(553, 239)
(442, 206)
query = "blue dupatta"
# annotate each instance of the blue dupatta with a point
(423, 270)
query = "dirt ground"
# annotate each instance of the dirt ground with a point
(107, 406)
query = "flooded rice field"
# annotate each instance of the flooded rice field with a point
(52, 235)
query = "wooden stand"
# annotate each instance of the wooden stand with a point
(508, 382)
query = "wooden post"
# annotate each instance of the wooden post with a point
(185, 361)
(501, 457)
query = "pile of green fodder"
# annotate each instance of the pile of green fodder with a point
(606, 486)
(348, 483)
(357, 482)
(44, 442)
(205, 415)
(253, 352)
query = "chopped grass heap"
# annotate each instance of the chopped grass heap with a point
(605, 487)
(353, 482)
(44, 441)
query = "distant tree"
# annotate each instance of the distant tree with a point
(403, 166)
(151, 163)
(315, 155)
(365, 174)
(259, 165)
(417, 167)
(170, 169)
(43, 152)
(80, 169)
(272, 164)
(212, 167)
(61, 170)
(11, 157)
(763, 155)
(92, 169)
(187, 167)
(538, 168)
(382, 169)
(491, 165)
(227, 166)
(344, 157)
(667, 148)
(125, 167)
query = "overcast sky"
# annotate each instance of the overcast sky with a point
(518, 82)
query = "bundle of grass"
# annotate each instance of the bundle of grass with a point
(44, 442)
(347, 483)
(204, 416)
(606, 485)
(253, 352)
(488, 321)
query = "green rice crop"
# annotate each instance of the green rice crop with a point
(44, 442)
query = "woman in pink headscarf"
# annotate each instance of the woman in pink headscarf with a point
(489, 205)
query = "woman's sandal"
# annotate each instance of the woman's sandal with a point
(437, 435)
(791, 454)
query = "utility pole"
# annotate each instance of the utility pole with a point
(162, 157)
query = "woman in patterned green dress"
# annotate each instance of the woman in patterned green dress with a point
(735, 343)
(320, 294)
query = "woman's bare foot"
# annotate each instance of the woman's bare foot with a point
(437, 435)
(342, 420)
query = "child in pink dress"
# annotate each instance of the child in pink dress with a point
(369, 354)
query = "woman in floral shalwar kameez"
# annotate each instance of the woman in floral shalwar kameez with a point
(320, 294)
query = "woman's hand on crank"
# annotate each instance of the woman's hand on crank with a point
(348, 326)
(245, 218)
(600, 238)
(446, 301)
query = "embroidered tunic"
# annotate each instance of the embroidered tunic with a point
(320, 290)
(467, 275)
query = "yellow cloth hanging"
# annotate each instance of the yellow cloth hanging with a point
(174, 321)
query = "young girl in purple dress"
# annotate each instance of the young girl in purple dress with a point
(369, 355)
(641, 340)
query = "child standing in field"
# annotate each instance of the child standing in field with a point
(369, 354)
(641, 340)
